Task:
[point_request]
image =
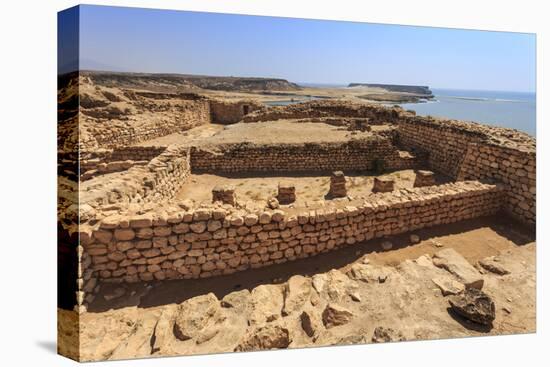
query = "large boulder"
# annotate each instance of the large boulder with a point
(237, 300)
(457, 265)
(334, 285)
(297, 293)
(335, 315)
(269, 336)
(266, 303)
(474, 305)
(197, 316)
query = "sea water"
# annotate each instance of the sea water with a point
(516, 110)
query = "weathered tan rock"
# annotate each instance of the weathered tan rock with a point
(448, 286)
(369, 273)
(297, 292)
(337, 185)
(265, 337)
(250, 219)
(237, 300)
(103, 236)
(310, 322)
(335, 315)
(198, 227)
(141, 221)
(273, 203)
(494, 266)
(196, 316)
(124, 234)
(334, 286)
(385, 335)
(224, 194)
(455, 264)
(424, 178)
(383, 184)
(266, 303)
(286, 193)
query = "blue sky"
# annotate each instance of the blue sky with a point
(301, 50)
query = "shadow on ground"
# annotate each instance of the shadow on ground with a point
(48, 345)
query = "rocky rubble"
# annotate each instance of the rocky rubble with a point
(320, 310)
(265, 337)
(385, 335)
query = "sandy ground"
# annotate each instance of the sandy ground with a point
(139, 324)
(309, 188)
(190, 136)
(283, 131)
(280, 131)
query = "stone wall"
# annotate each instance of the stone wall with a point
(157, 181)
(104, 161)
(254, 158)
(376, 113)
(135, 153)
(115, 133)
(176, 243)
(515, 168)
(464, 151)
(446, 146)
(230, 112)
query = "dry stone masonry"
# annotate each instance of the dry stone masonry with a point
(424, 178)
(172, 243)
(247, 157)
(286, 193)
(337, 185)
(383, 184)
(128, 227)
(466, 151)
(224, 194)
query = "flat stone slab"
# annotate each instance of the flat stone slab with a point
(457, 265)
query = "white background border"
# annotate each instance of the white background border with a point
(28, 180)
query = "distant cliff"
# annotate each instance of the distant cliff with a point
(184, 81)
(414, 89)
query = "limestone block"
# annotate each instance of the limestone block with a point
(337, 185)
(383, 184)
(424, 178)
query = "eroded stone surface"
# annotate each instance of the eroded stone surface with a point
(265, 337)
(196, 315)
(384, 335)
(457, 265)
(335, 315)
(474, 305)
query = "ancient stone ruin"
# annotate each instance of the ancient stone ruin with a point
(383, 184)
(337, 185)
(424, 178)
(130, 225)
(286, 193)
(224, 194)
